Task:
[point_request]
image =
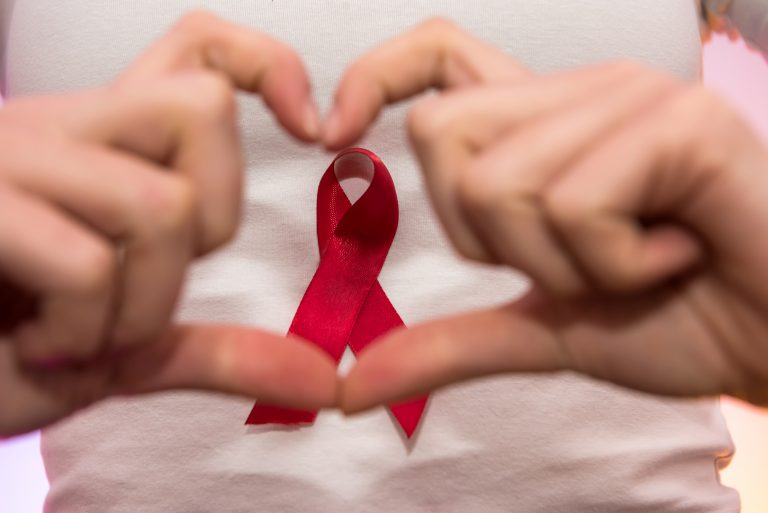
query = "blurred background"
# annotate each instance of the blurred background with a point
(741, 76)
(731, 68)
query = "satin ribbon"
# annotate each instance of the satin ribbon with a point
(344, 303)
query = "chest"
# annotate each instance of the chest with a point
(53, 45)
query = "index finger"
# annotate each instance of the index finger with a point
(253, 61)
(437, 53)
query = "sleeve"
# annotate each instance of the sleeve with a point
(749, 17)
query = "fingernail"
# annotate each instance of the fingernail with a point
(311, 121)
(332, 127)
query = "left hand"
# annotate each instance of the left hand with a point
(635, 202)
(107, 196)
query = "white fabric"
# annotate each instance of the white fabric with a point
(529, 444)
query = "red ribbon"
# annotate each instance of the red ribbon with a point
(344, 303)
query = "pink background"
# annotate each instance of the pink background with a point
(732, 69)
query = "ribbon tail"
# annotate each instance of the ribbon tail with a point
(344, 303)
(269, 414)
(408, 414)
(378, 317)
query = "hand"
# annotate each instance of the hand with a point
(435, 54)
(106, 197)
(635, 202)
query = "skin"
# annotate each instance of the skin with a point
(632, 200)
(131, 183)
(635, 202)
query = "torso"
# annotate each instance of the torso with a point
(518, 443)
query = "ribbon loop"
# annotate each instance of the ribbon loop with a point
(344, 303)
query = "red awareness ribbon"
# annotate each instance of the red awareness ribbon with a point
(344, 303)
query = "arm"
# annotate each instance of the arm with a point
(748, 17)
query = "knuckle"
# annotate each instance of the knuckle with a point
(209, 96)
(223, 233)
(701, 120)
(619, 278)
(361, 71)
(165, 204)
(564, 208)
(424, 122)
(96, 267)
(438, 26)
(417, 124)
(24, 134)
(479, 193)
(700, 109)
(617, 275)
(578, 218)
(470, 251)
(217, 233)
(439, 34)
(174, 206)
(284, 54)
(701, 99)
(196, 20)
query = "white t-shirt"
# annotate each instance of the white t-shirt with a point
(524, 443)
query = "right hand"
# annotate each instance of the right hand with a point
(106, 197)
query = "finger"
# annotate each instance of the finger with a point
(70, 268)
(501, 191)
(253, 61)
(187, 123)
(448, 132)
(634, 226)
(435, 54)
(539, 334)
(233, 360)
(130, 203)
(410, 362)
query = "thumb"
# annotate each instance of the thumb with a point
(233, 360)
(228, 359)
(410, 362)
